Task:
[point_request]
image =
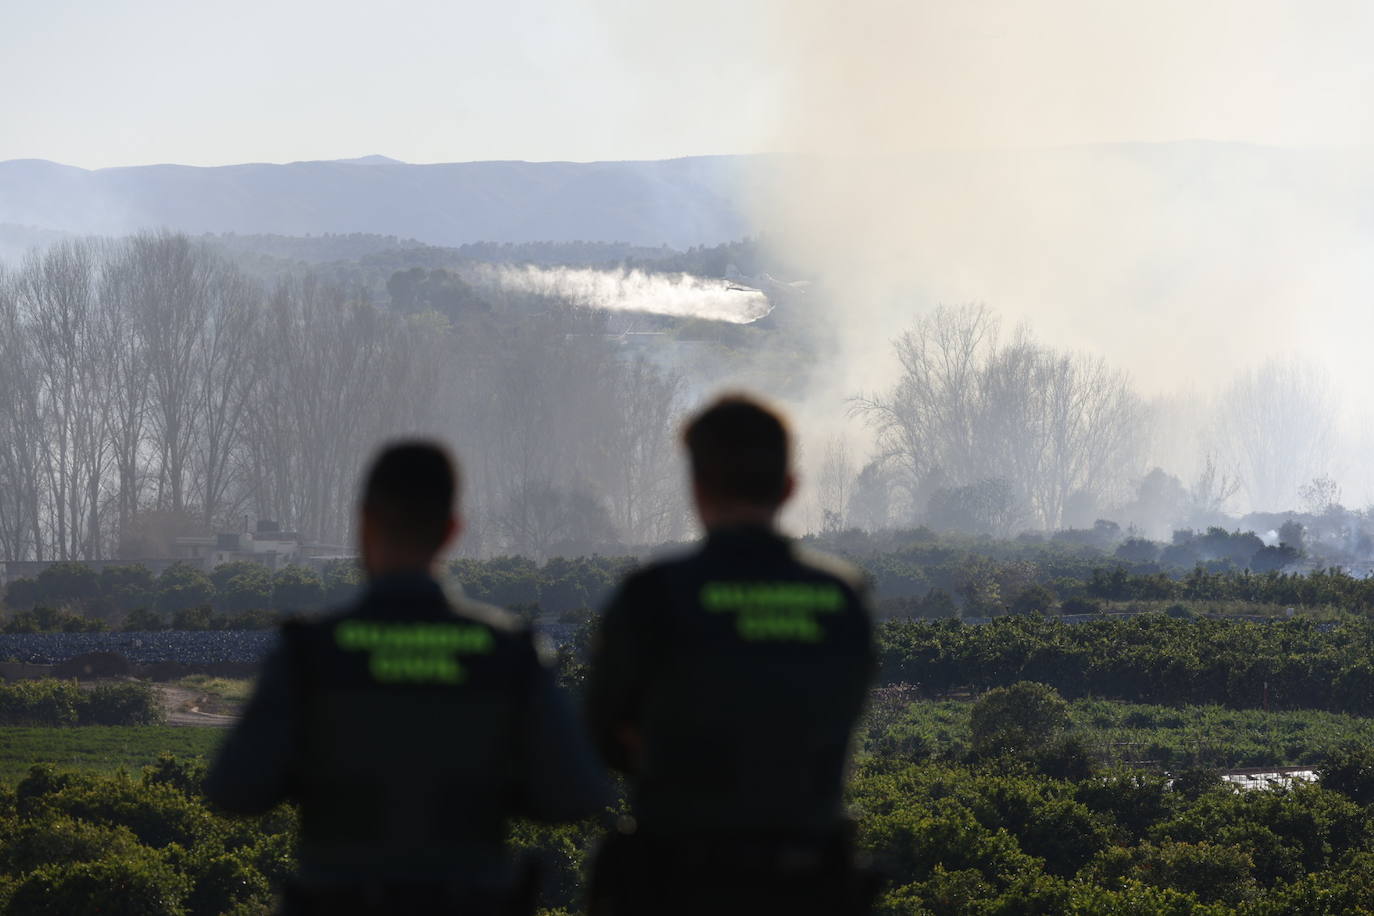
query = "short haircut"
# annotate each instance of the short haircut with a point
(739, 449)
(411, 493)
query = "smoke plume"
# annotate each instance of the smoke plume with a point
(1039, 158)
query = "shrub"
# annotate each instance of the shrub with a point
(243, 585)
(74, 584)
(170, 770)
(52, 620)
(1021, 718)
(342, 581)
(124, 703)
(24, 622)
(224, 882)
(193, 618)
(1349, 770)
(296, 588)
(50, 702)
(252, 620)
(55, 839)
(1033, 599)
(143, 620)
(22, 594)
(126, 587)
(182, 586)
(138, 885)
(43, 702)
(158, 814)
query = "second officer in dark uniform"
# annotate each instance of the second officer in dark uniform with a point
(726, 685)
(408, 727)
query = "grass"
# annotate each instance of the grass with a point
(99, 749)
(232, 690)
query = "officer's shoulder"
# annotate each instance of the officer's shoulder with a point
(489, 615)
(831, 567)
(510, 629)
(303, 624)
(652, 573)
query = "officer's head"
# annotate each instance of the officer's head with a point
(740, 454)
(409, 507)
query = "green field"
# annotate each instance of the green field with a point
(96, 748)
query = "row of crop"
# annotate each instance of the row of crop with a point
(51, 702)
(1112, 732)
(246, 595)
(920, 574)
(1154, 658)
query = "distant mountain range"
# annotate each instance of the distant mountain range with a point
(676, 202)
(1209, 191)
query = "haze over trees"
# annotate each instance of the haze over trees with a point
(148, 388)
(156, 386)
(1010, 435)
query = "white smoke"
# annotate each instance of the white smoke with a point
(677, 295)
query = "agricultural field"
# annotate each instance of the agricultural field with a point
(1156, 738)
(99, 749)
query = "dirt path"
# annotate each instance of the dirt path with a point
(183, 708)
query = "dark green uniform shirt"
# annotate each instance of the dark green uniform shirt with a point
(409, 730)
(742, 669)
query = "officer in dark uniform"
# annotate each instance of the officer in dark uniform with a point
(726, 686)
(408, 727)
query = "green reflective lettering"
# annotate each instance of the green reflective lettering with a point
(416, 653)
(780, 611)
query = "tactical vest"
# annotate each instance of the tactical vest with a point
(765, 663)
(409, 741)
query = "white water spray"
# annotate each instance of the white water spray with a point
(677, 295)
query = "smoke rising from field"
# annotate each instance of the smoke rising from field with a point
(1040, 158)
(677, 295)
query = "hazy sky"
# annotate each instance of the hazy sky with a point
(118, 82)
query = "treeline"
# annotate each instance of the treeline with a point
(923, 574)
(991, 433)
(1152, 658)
(916, 574)
(53, 703)
(247, 595)
(150, 389)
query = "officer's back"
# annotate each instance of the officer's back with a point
(727, 683)
(409, 728)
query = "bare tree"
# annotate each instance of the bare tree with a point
(21, 435)
(1049, 426)
(1211, 491)
(148, 390)
(171, 279)
(1278, 425)
(834, 482)
(224, 385)
(641, 468)
(128, 382)
(57, 303)
(1320, 495)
